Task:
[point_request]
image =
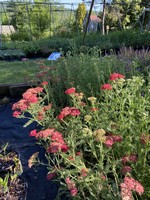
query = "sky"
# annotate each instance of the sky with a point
(62, 1)
(67, 4)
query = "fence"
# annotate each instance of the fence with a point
(38, 19)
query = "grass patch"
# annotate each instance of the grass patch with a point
(17, 71)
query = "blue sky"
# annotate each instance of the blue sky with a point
(73, 2)
(63, 1)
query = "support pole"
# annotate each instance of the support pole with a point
(1, 26)
(50, 8)
(29, 24)
(87, 23)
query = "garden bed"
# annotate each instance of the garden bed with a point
(13, 90)
(13, 133)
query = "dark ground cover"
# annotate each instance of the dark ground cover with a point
(13, 132)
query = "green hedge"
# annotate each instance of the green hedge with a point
(113, 40)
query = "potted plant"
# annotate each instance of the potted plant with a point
(12, 185)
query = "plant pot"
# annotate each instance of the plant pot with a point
(17, 190)
(10, 162)
(12, 185)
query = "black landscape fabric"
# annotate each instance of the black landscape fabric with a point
(13, 132)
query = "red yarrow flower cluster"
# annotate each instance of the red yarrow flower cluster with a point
(129, 158)
(16, 113)
(21, 105)
(129, 185)
(43, 134)
(111, 139)
(57, 142)
(30, 96)
(126, 169)
(44, 83)
(84, 172)
(68, 111)
(33, 133)
(106, 86)
(70, 91)
(35, 90)
(115, 76)
(56, 147)
(71, 186)
(51, 175)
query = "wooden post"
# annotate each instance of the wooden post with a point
(50, 7)
(87, 23)
(103, 17)
(29, 25)
(1, 25)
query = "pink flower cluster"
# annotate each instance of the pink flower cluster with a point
(115, 76)
(126, 169)
(68, 111)
(129, 185)
(112, 77)
(111, 139)
(71, 186)
(84, 172)
(21, 105)
(51, 175)
(106, 86)
(129, 158)
(57, 142)
(30, 96)
(70, 91)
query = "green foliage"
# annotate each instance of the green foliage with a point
(17, 72)
(88, 70)
(129, 11)
(114, 40)
(11, 54)
(88, 150)
(20, 36)
(4, 183)
(38, 20)
(80, 15)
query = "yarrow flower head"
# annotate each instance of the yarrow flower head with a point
(129, 158)
(68, 111)
(33, 133)
(126, 169)
(112, 139)
(44, 83)
(115, 76)
(51, 175)
(33, 159)
(56, 147)
(16, 113)
(92, 99)
(70, 91)
(106, 87)
(132, 184)
(71, 186)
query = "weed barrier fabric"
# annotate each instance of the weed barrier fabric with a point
(13, 132)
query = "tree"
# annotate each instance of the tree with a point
(129, 10)
(103, 17)
(80, 15)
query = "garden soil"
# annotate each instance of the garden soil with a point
(13, 132)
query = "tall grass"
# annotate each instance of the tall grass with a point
(85, 71)
(88, 71)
